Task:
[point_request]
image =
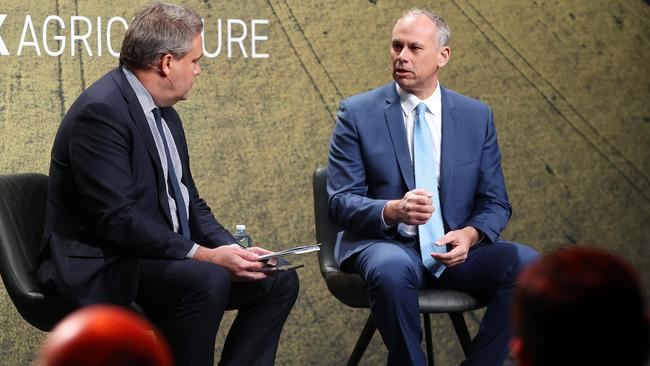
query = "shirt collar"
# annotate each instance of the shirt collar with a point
(145, 99)
(410, 101)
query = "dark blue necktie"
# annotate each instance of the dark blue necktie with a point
(176, 193)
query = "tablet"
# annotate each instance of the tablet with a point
(272, 269)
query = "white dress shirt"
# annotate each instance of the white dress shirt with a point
(433, 116)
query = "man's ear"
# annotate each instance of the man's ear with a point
(518, 352)
(165, 64)
(445, 55)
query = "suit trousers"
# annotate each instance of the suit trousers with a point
(393, 273)
(186, 299)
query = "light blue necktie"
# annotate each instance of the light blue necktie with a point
(426, 178)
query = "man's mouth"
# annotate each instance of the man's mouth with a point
(402, 72)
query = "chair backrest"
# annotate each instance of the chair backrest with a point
(346, 287)
(326, 230)
(23, 199)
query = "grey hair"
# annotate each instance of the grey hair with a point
(159, 29)
(443, 32)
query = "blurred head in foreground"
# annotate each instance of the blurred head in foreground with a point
(104, 335)
(579, 306)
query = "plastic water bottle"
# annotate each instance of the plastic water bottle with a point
(242, 238)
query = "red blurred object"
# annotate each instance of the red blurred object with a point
(102, 335)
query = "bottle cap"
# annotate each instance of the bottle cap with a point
(240, 227)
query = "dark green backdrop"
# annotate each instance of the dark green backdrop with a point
(568, 82)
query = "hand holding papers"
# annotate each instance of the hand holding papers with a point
(272, 265)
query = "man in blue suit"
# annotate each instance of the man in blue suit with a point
(400, 231)
(125, 221)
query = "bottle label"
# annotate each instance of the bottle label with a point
(244, 241)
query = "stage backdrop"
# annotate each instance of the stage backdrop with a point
(568, 82)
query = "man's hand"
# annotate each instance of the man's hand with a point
(461, 240)
(261, 251)
(240, 262)
(415, 208)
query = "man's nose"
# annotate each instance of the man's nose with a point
(403, 55)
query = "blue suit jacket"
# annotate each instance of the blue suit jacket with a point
(369, 164)
(107, 204)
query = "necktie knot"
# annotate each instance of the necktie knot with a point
(156, 114)
(420, 109)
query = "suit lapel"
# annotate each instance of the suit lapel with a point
(140, 120)
(395, 121)
(449, 140)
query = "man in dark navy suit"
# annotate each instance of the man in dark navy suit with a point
(125, 221)
(415, 182)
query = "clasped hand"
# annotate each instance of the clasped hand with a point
(416, 208)
(241, 263)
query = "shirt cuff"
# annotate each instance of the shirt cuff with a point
(481, 236)
(382, 216)
(192, 251)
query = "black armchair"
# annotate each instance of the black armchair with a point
(350, 289)
(22, 216)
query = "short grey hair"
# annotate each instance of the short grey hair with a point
(442, 30)
(159, 29)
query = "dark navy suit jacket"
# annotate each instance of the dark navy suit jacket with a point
(107, 204)
(370, 163)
